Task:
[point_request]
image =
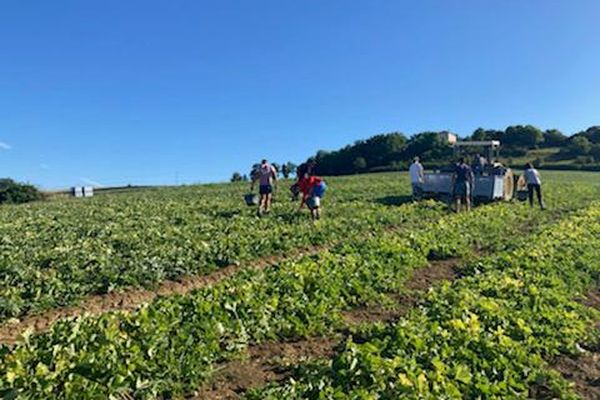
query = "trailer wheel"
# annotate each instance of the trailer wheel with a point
(509, 185)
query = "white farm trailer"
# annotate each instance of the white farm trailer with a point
(494, 183)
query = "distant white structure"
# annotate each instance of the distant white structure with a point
(82, 191)
(448, 137)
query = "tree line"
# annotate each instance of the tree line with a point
(284, 170)
(395, 151)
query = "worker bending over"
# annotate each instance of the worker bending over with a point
(313, 189)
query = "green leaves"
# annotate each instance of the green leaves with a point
(55, 253)
(485, 336)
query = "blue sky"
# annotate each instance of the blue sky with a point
(148, 92)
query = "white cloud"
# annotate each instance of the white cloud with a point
(91, 182)
(5, 146)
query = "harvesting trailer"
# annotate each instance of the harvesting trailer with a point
(495, 182)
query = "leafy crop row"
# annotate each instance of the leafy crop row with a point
(169, 347)
(55, 253)
(485, 336)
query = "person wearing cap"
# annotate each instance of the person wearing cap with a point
(416, 173)
(534, 184)
(266, 175)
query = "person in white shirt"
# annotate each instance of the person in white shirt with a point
(416, 178)
(534, 184)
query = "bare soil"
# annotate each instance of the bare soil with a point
(267, 362)
(420, 280)
(132, 298)
(584, 371)
(273, 361)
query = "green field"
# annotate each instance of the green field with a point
(493, 333)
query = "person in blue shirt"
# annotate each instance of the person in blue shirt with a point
(462, 185)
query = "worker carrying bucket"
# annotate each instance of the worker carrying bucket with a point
(266, 175)
(313, 189)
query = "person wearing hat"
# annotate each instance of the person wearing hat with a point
(416, 174)
(266, 175)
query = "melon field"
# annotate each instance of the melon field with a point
(183, 292)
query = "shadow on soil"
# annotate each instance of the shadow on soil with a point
(394, 200)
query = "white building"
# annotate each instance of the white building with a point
(448, 137)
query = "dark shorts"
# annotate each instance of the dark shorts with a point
(462, 189)
(417, 189)
(265, 189)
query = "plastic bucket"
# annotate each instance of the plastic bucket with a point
(313, 202)
(251, 199)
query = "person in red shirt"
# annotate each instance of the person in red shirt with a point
(312, 189)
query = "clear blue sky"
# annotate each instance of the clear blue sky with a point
(120, 91)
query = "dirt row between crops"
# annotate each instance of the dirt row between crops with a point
(128, 299)
(132, 298)
(274, 361)
(584, 371)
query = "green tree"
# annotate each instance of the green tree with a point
(236, 177)
(527, 136)
(255, 171)
(592, 134)
(429, 146)
(579, 145)
(479, 134)
(595, 152)
(360, 164)
(288, 168)
(17, 193)
(554, 138)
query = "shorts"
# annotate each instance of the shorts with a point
(417, 189)
(265, 189)
(319, 190)
(462, 189)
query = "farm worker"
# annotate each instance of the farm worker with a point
(267, 176)
(534, 183)
(462, 184)
(304, 170)
(416, 178)
(479, 163)
(313, 189)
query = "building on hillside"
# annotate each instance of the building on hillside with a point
(448, 137)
